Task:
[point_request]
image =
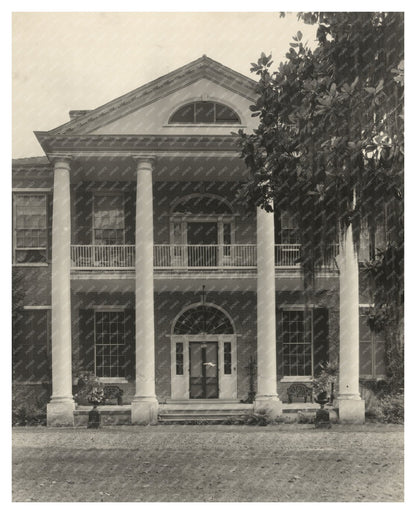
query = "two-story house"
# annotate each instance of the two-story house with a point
(138, 263)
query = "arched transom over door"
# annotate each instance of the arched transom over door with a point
(204, 355)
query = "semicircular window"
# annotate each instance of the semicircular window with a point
(205, 112)
(203, 319)
(202, 205)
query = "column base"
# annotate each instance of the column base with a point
(270, 405)
(351, 410)
(144, 411)
(60, 412)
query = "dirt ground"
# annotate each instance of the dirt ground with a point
(285, 463)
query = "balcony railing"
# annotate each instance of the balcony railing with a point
(205, 256)
(90, 257)
(165, 256)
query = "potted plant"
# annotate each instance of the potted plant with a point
(89, 389)
(326, 381)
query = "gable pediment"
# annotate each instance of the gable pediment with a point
(146, 110)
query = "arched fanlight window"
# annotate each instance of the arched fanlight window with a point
(202, 204)
(203, 319)
(205, 112)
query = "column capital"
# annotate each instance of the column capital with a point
(144, 158)
(60, 158)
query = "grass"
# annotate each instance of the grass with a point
(290, 463)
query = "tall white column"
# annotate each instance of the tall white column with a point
(351, 407)
(144, 407)
(266, 398)
(60, 410)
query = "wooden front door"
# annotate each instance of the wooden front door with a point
(203, 370)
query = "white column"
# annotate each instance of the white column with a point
(61, 407)
(266, 397)
(144, 407)
(351, 407)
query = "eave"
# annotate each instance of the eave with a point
(130, 144)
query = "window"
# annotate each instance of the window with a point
(227, 358)
(31, 228)
(289, 229)
(205, 112)
(179, 358)
(371, 349)
(297, 343)
(108, 219)
(109, 343)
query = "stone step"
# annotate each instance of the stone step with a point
(202, 414)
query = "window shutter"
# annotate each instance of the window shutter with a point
(130, 216)
(279, 343)
(84, 205)
(129, 345)
(320, 338)
(86, 317)
(277, 227)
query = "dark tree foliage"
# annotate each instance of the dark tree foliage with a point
(329, 147)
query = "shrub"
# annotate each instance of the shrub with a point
(391, 409)
(28, 407)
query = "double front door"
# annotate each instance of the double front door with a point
(203, 370)
(204, 366)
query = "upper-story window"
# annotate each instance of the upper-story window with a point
(205, 112)
(30, 228)
(108, 219)
(289, 233)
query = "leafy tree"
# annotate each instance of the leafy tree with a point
(329, 148)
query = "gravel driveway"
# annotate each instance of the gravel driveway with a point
(285, 463)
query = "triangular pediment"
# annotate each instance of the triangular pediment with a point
(146, 109)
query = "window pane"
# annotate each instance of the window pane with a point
(227, 358)
(179, 358)
(297, 343)
(184, 115)
(108, 219)
(109, 344)
(289, 229)
(30, 226)
(204, 112)
(225, 115)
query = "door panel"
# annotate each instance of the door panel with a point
(203, 370)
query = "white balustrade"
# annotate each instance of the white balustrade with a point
(102, 256)
(166, 256)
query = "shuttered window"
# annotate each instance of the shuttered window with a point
(109, 343)
(372, 350)
(30, 228)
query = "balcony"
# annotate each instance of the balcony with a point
(187, 257)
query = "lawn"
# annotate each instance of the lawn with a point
(209, 463)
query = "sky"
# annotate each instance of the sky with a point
(65, 61)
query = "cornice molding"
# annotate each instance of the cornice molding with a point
(64, 145)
